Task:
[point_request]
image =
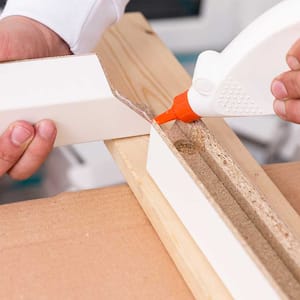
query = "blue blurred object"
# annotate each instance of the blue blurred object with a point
(13, 190)
(188, 60)
(34, 180)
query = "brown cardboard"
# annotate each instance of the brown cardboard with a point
(94, 244)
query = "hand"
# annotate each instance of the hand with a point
(286, 88)
(23, 146)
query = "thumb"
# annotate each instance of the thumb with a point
(293, 56)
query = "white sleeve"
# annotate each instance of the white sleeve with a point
(79, 22)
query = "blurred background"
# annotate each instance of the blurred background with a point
(187, 27)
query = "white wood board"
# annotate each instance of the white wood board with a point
(229, 258)
(72, 91)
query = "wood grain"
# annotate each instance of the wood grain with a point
(148, 74)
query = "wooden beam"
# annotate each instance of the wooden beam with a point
(150, 76)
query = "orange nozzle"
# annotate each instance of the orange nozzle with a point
(180, 110)
(165, 117)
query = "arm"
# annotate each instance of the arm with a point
(33, 29)
(79, 23)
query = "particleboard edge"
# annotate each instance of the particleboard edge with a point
(283, 238)
(206, 224)
(236, 249)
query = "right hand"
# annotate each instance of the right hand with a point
(24, 146)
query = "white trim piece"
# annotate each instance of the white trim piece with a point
(74, 92)
(231, 261)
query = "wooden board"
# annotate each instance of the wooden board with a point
(94, 244)
(148, 74)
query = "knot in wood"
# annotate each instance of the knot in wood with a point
(186, 147)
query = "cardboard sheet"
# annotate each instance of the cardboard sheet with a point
(89, 245)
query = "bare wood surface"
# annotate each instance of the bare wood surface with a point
(287, 178)
(149, 75)
(94, 244)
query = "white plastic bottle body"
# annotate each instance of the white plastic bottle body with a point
(237, 81)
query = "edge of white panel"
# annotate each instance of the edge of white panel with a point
(231, 261)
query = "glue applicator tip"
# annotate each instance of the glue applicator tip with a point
(180, 110)
(165, 117)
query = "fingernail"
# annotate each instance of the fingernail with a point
(279, 107)
(46, 129)
(279, 90)
(293, 63)
(20, 135)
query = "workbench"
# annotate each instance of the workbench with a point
(112, 244)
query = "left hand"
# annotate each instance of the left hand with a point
(24, 147)
(286, 88)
